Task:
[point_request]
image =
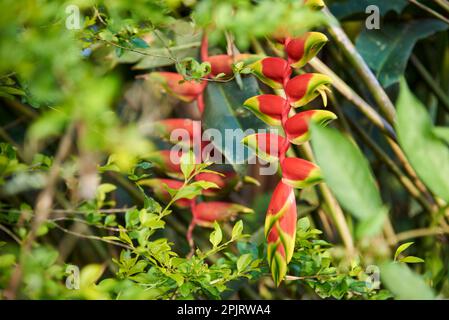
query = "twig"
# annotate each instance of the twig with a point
(417, 233)
(10, 233)
(430, 11)
(356, 60)
(433, 85)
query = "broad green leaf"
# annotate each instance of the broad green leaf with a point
(404, 283)
(388, 49)
(401, 249)
(187, 164)
(224, 112)
(216, 236)
(411, 259)
(90, 274)
(243, 262)
(237, 230)
(346, 8)
(348, 174)
(428, 155)
(442, 133)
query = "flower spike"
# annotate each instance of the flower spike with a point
(297, 127)
(267, 107)
(299, 173)
(272, 71)
(205, 213)
(268, 146)
(304, 88)
(280, 230)
(175, 84)
(302, 50)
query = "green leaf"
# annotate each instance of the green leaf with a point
(388, 49)
(90, 274)
(402, 248)
(346, 8)
(404, 283)
(237, 230)
(348, 174)
(442, 133)
(224, 112)
(187, 164)
(411, 259)
(139, 43)
(216, 236)
(243, 262)
(428, 155)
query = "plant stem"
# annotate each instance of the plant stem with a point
(353, 97)
(357, 62)
(430, 11)
(433, 85)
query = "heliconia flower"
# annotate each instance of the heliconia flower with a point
(205, 213)
(297, 127)
(300, 173)
(315, 4)
(267, 107)
(280, 230)
(304, 88)
(223, 181)
(165, 127)
(301, 50)
(222, 63)
(174, 83)
(272, 71)
(268, 146)
(159, 187)
(161, 159)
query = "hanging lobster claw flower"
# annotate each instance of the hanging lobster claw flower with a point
(267, 146)
(267, 107)
(205, 213)
(315, 4)
(162, 160)
(280, 230)
(272, 71)
(222, 63)
(224, 182)
(304, 88)
(302, 50)
(175, 84)
(300, 173)
(159, 187)
(165, 127)
(297, 127)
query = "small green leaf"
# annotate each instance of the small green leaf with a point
(216, 236)
(243, 262)
(401, 249)
(90, 274)
(237, 229)
(411, 259)
(187, 164)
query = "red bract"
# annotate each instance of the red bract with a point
(300, 173)
(280, 230)
(297, 127)
(304, 88)
(267, 107)
(159, 187)
(222, 181)
(165, 127)
(267, 146)
(175, 84)
(161, 159)
(301, 50)
(205, 213)
(222, 63)
(272, 71)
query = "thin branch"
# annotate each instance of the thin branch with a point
(11, 234)
(418, 233)
(430, 11)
